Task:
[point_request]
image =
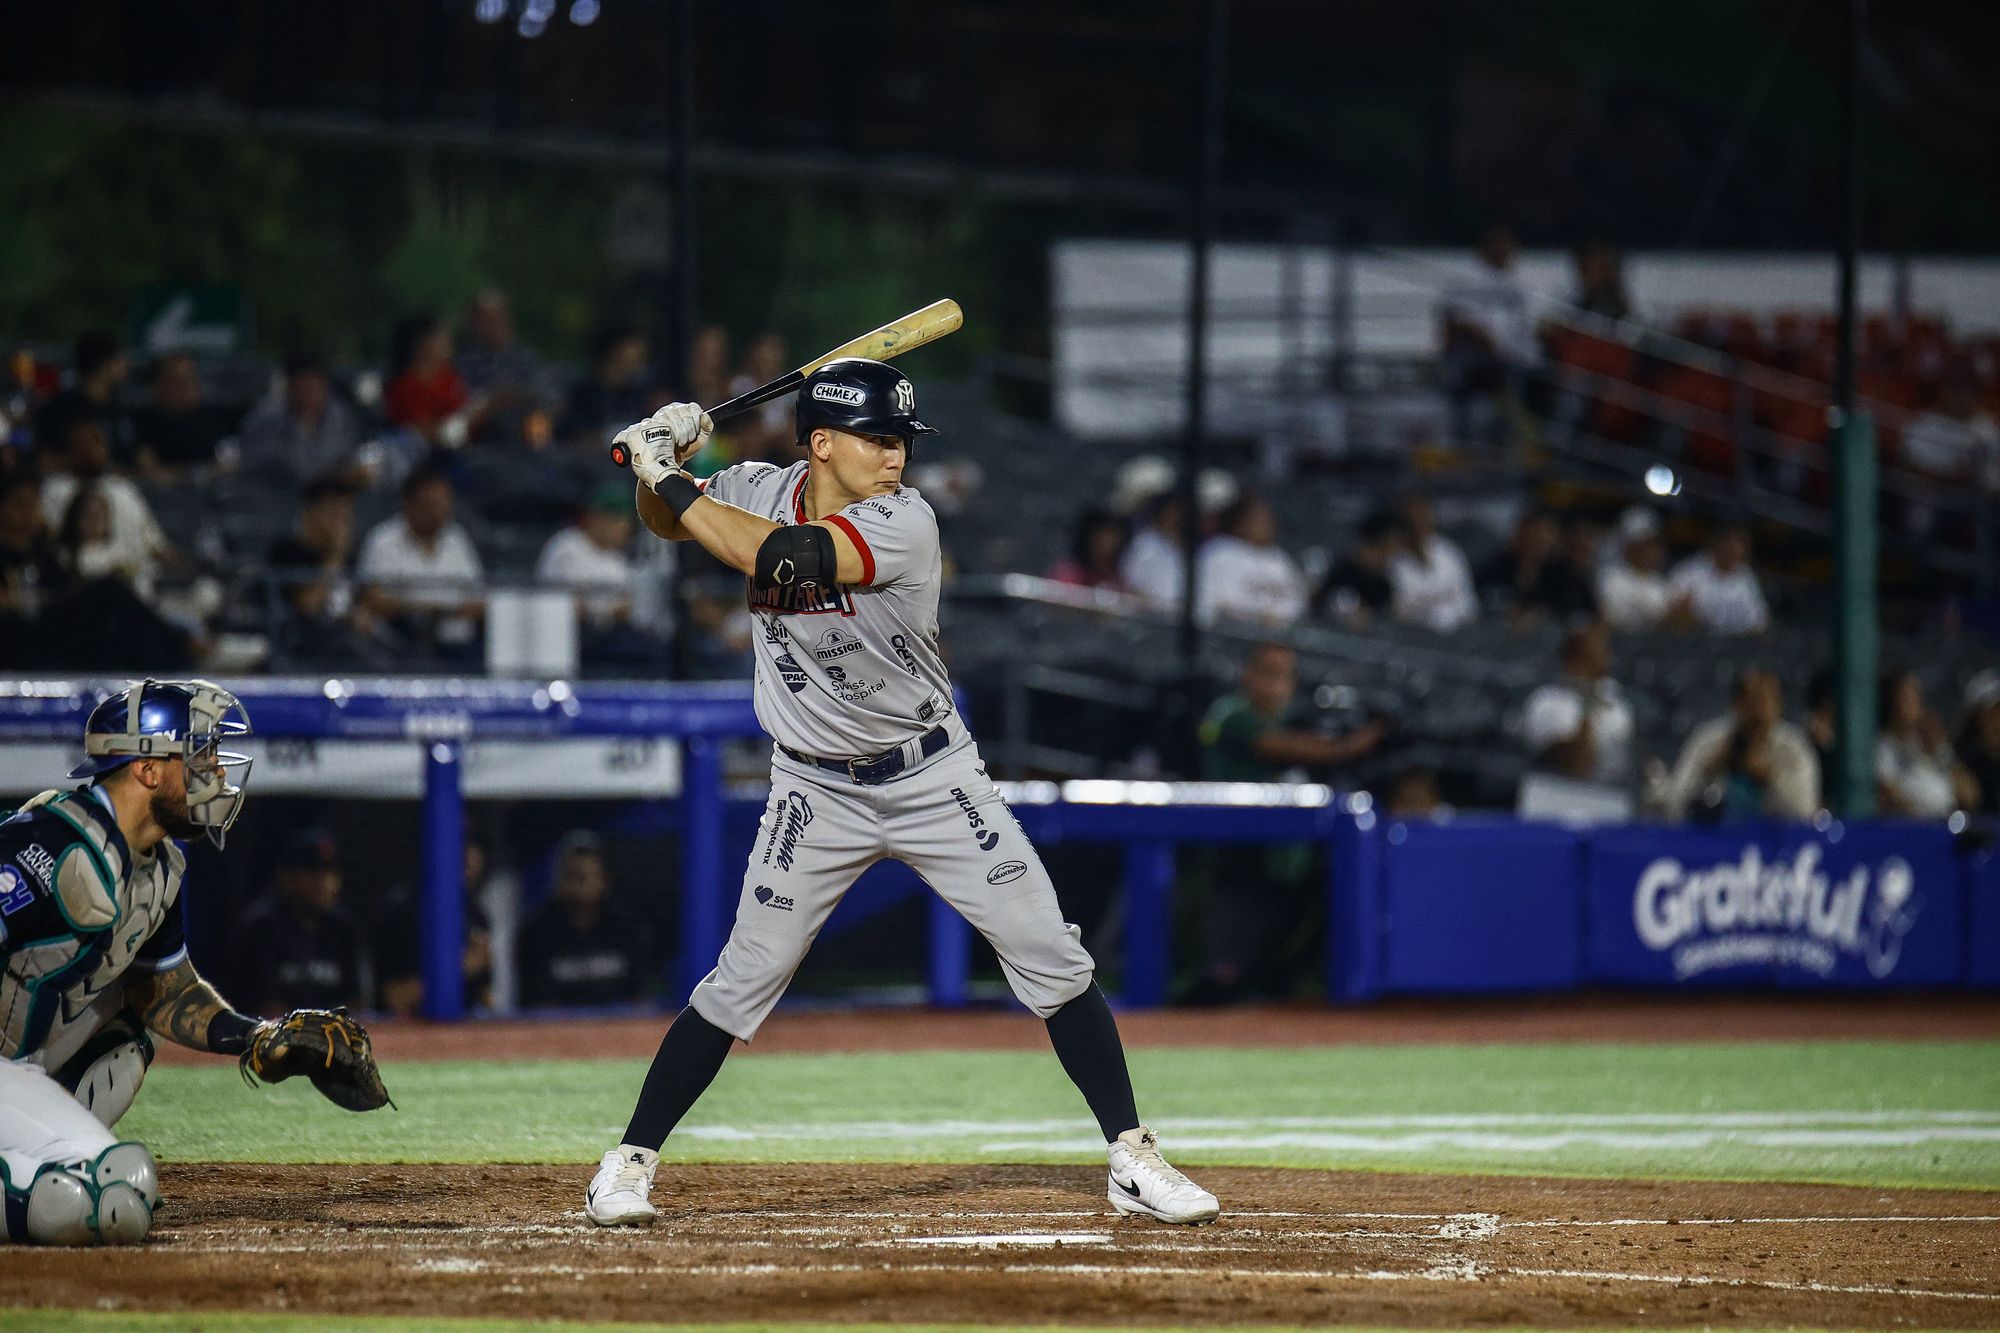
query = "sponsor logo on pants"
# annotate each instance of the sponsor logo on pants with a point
(987, 838)
(1006, 872)
(789, 820)
(765, 895)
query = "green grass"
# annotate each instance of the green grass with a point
(1910, 1113)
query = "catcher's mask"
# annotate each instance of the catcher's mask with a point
(175, 719)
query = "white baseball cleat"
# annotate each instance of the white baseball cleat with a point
(617, 1196)
(1142, 1182)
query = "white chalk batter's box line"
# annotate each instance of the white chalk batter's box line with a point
(1465, 1271)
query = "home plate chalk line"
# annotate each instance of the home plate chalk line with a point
(1424, 1133)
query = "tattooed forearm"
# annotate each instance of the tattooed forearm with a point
(184, 1008)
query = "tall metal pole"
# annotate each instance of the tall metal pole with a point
(680, 313)
(1211, 57)
(1852, 788)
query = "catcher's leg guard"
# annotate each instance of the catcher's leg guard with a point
(108, 1201)
(106, 1073)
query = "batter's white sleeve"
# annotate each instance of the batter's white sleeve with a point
(895, 535)
(732, 484)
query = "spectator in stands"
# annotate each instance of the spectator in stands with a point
(1632, 588)
(506, 380)
(1579, 732)
(1600, 281)
(1096, 551)
(398, 958)
(298, 946)
(1721, 587)
(1534, 576)
(1260, 897)
(1413, 794)
(98, 368)
(302, 428)
(1489, 340)
(425, 392)
(1979, 738)
(87, 551)
(30, 573)
(1244, 573)
(764, 434)
(1820, 720)
(327, 623)
(575, 949)
(1430, 582)
(1916, 772)
(177, 430)
(422, 572)
(1958, 441)
(132, 540)
(1155, 563)
(1747, 764)
(1252, 735)
(618, 391)
(1357, 588)
(592, 558)
(708, 365)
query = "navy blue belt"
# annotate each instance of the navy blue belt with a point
(877, 768)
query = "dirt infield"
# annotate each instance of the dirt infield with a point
(1534, 1019)
(1038, 1244)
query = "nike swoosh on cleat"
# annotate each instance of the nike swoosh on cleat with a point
(1132, 1190)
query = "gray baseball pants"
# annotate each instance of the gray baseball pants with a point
(947, 821)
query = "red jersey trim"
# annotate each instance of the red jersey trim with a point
(860, 546)
(799, 498)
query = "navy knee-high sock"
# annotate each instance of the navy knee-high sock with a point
(688, 1060)
(1085, 1036)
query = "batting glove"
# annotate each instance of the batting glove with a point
(655, 456)
(689, 425)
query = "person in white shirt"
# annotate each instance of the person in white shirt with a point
(592, 558)
(1243, 574)
(1632, 588)
(1721, 587)
(1430, 582)
(1155, 563)
(132, 543)
(1916, 772)
(1579, 732)
(422, 571)
(1746, 764)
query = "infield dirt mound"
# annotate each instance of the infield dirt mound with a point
(1025, 1244)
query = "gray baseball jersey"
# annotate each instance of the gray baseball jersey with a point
(852, 673)
(847, 672)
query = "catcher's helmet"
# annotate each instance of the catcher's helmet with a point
(859, 395)
(174, 719)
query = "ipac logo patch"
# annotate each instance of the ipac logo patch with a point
(791, 672)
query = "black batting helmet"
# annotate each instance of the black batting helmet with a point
(862, 396)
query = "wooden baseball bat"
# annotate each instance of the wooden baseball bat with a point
(913, 330)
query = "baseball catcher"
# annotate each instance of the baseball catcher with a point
(97, 965)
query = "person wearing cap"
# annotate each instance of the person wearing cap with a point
(1632, 589)
(577, 949)
(302, 950)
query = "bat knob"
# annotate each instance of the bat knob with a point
(621, 456)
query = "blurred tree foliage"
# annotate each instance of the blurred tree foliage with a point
(333, 240)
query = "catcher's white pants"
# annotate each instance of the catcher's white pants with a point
(947, 821)
(40, 1121)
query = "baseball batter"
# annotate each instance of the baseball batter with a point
(871, 761)
(91, 935)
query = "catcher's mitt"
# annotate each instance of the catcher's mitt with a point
(327, 1047)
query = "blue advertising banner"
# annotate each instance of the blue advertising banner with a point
(1480, 905)
(1853, 905)
(1982, 919)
